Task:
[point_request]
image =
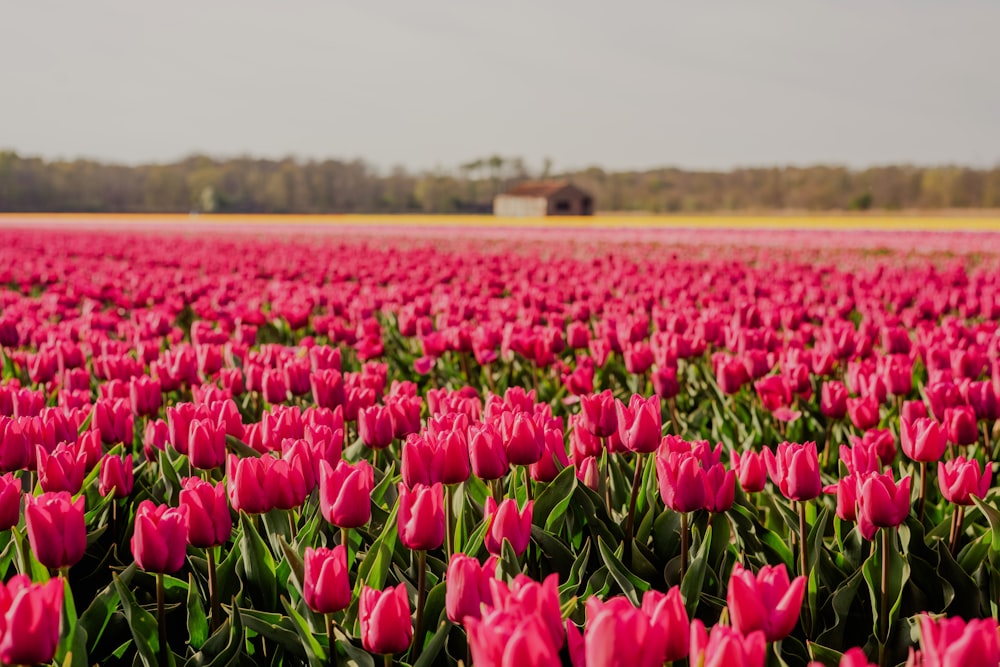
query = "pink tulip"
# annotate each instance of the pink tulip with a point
(882, 503)
(619, 635)
(209, 521)
(795, 469)
(922, 439)
(467, 587)
(669, 619)
(600, 416)
(954, 642)
(503, 638)
(160, 537)
(961, 479)
(116, 476)
(206, 444)
(30, 618)
(420, 520)
(863, 412)
(504, 522)
(524, 438)
(726, 647)
(487, 453)
(10, 501)
(767, 602)
(375, 426)
(56, 528)
(750, 470)
(62, 470)
(682, 481)
(640, 423)
(345, 493)
(960, 423)
(327, 586)
(384, 618)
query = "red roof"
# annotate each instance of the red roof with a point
(537, 188)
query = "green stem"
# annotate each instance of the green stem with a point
(633, 499)
(685, 538)
(921, 502)
(213, 590)
(528, 490)
(421, 601)
(387, 660)
(161, 617)
(449, 519)
(803, 540)
(956, 528)
(332, 639)
(883, 656)
(674, 416)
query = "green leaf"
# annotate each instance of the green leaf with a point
(694, 578)
(171, 480)
(197, 622)
(433, 612)
(630, 584)
(257, 562)
(277, 628)
(216, 654)
(899, 572)
(298, 568)
(375, 566)
(145, 632)
(96, 617)
(315, 654)
(553, 501)
(992, 517)
(827, 656)
(508, 565)
(433, 648)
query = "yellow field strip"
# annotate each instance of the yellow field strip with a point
(830, 222)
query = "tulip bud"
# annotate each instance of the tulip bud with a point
(327, 586)
(116, 476)
(385, 621)
(640, 423)
(864, 412)
(882, 503)
(954, 642)
(487, 453)
(599, 414)
(961, 425)
(833, 399)
(922, 439)
(795, 469)
(209, 522)
(669, 619)
(10, 501)
(750, 470)
(504, 522)
(726, 647)
(206, 444)
(345, 493)
(375, 426)
(961, 479)
(467, 587)
(30, 615)
(62, 470)
(421, 517)
(524, 438)
(159, 540)
(767, 601)
(56, 528)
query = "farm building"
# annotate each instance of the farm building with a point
(539, 198)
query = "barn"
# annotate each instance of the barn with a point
(540, 198)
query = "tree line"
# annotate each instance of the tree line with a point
(247, 185)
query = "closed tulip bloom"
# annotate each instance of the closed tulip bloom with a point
(420, 463)
(525, 440)
(209, 522)
(795, 469)
(247, 484)
(681, 480)
(750, 470)
(588, 472)
(467, 587)
(913, 410)
(863, 412)
(421, 517)
(730, 373)
(16, 453)
(833, 399)
(619, 635)
(960, 423)
(983, 399)
(599, 414)
(665, 382)
(855, 657)
(375, 426)
(503, 638)
(206, 444)
(504, 522)
(767, 601)
(961, 479)
(56, 528)
(922, 439)
(954, 642)
(453, 452)
(284, 485)
(726, 647)
(10, 501)
(897, 372)
(882, 503)
(116, 476)
(640, 423)
(385, 621)
(160, 537)
(554, 457)
(155, 438)
(145, 395)
(669, 619)
(327, 586)
(30, 618)
(62, 470)
(847, 497)
(345, 493)
(720, 488)
(486, 452)
(273, 385)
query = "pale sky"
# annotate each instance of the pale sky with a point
(424, 83)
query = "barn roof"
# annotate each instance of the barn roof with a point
(537, 188)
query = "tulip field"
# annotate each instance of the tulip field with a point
(500, 447)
